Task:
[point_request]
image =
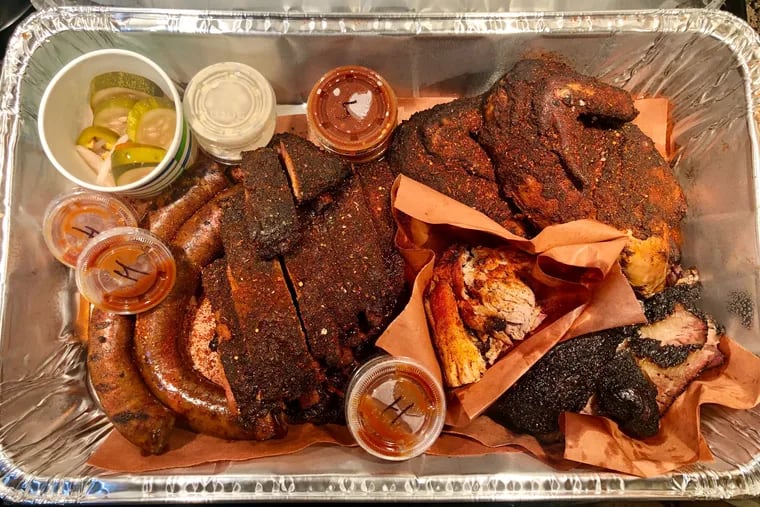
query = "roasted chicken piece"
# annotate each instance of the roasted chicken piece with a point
(631, 374)
(479, 303)
(437, 147)
(563, 149)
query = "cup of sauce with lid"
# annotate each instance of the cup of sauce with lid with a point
(73, 218)
(352, 112)
(125, 270)
(395, 408)
(230, 108)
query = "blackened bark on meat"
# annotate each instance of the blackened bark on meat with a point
(562, 150)
(271, 213)
(661, 355)
(217, 290)
(661, 305)
(344, 292)
(268, 362)
(628, 397)
(376, 179)
(312, 171)
(437, 148)
(562, 381)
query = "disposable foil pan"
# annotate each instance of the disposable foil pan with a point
(706, 62)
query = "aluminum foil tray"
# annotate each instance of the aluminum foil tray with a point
(707, 62)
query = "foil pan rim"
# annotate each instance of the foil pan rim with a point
(695, 482)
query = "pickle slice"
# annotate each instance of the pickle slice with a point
(131, 161)
(99, 140)
(124, 84)
(152, 121)
(112, 114)
(130, 155)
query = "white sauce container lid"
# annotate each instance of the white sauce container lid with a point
(230, 107)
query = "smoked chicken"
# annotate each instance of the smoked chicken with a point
(547, 145)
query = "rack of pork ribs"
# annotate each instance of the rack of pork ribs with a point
(292, 256)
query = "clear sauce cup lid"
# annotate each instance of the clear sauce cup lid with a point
(352, 111)
(73, 218)
(395, 408)
(125, 270)
(230, 108)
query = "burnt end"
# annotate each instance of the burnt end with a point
(664, 356)
(562, 381)
(627, 396)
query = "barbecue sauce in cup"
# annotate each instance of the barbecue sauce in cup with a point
(352, 112)
(71, 220)
(125, 270)
(395, 408)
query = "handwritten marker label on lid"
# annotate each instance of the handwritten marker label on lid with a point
(71, 220)
(125, 270)
(352, 111)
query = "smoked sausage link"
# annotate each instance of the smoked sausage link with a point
(126, 400)
(197, 187)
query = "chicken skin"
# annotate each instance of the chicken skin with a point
(563, 149)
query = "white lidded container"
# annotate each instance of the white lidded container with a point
(230, 108)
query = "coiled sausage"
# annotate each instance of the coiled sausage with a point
(125, 398)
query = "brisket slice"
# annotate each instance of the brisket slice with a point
(343, 288)
(271, 214)
(312, 170)
(267, 363)
(630, 374)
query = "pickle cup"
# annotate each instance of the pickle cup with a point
(65, 111)
(395, 408)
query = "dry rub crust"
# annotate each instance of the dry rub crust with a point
(312, 171)
(271, 211)
(344, 290)
(437, 147)
(268, 362)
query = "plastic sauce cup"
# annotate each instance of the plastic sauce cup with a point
(125, 270)
(230, 108)
(72, 219)
(352, 112)
(65, 111)
(395, 408)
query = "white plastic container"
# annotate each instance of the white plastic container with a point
(230, 108)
